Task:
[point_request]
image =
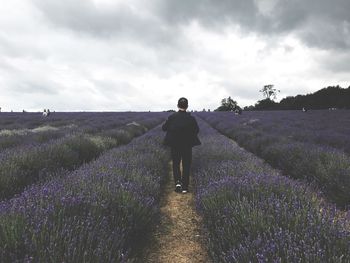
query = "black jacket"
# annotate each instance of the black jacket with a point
(182, 130)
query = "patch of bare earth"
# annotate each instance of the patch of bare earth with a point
(178, 238)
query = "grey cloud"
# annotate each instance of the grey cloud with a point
(110, 89)
(210, 12)
(150, 41)
(337, 63)
(19, 48)
(119, 21)
(323, 23)
(239, 90)
(7, 48)
(326, 34)
(19, 82)
(34, 86)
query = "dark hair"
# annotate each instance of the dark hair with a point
(182, 103)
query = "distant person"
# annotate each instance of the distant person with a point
(46, 113)
(181, 136)
(238, 111)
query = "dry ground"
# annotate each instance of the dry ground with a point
(178, 238)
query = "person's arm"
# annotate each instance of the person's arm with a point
(195, 126)
(165, 125)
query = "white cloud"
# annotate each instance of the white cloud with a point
(144, 55)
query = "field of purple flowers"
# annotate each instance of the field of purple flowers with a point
(253, 214)
(86, 187)
(323, 127)
(17, 129)
(100, 212)
(27, 163)
(312, 146)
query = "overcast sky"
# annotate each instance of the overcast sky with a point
(144, 55)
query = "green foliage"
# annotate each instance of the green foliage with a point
(328, 169)
(228, 104)
(28, 166)
(105, 211)
(331, 97)
(269, 92)
(11, 233)
(263, 217)
(265, 104)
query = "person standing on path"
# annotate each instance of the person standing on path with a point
(181, 136)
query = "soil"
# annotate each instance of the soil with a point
(179, 236)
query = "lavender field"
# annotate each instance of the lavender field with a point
(87, 187)
(253, 213)
(313, 146)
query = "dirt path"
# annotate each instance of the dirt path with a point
(178, 238)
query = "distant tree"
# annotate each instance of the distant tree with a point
(269, 92)
(266, 104)
(249, 108)
(329, 97)
(228, 104)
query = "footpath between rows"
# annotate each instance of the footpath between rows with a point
(179, 236)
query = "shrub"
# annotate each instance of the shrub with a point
(326, 167)
(257, 215)
(102, 212)
(26, 165)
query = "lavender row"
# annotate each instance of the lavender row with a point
(85, 120)
(59, 124)
(326, 167)
(253, 214)
(10, 140)
(102, 212)
(326, 128)
(32, 163)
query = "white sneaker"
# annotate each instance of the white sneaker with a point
(178, 188)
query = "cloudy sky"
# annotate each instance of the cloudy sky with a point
(144, 55)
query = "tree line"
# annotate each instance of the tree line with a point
(331, 97)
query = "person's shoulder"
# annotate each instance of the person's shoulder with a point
(187, 115)
(173, 115)
(191, 116)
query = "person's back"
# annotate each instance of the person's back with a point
(182, 129)
(181, 136)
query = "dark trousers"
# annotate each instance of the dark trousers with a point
(183, 154)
